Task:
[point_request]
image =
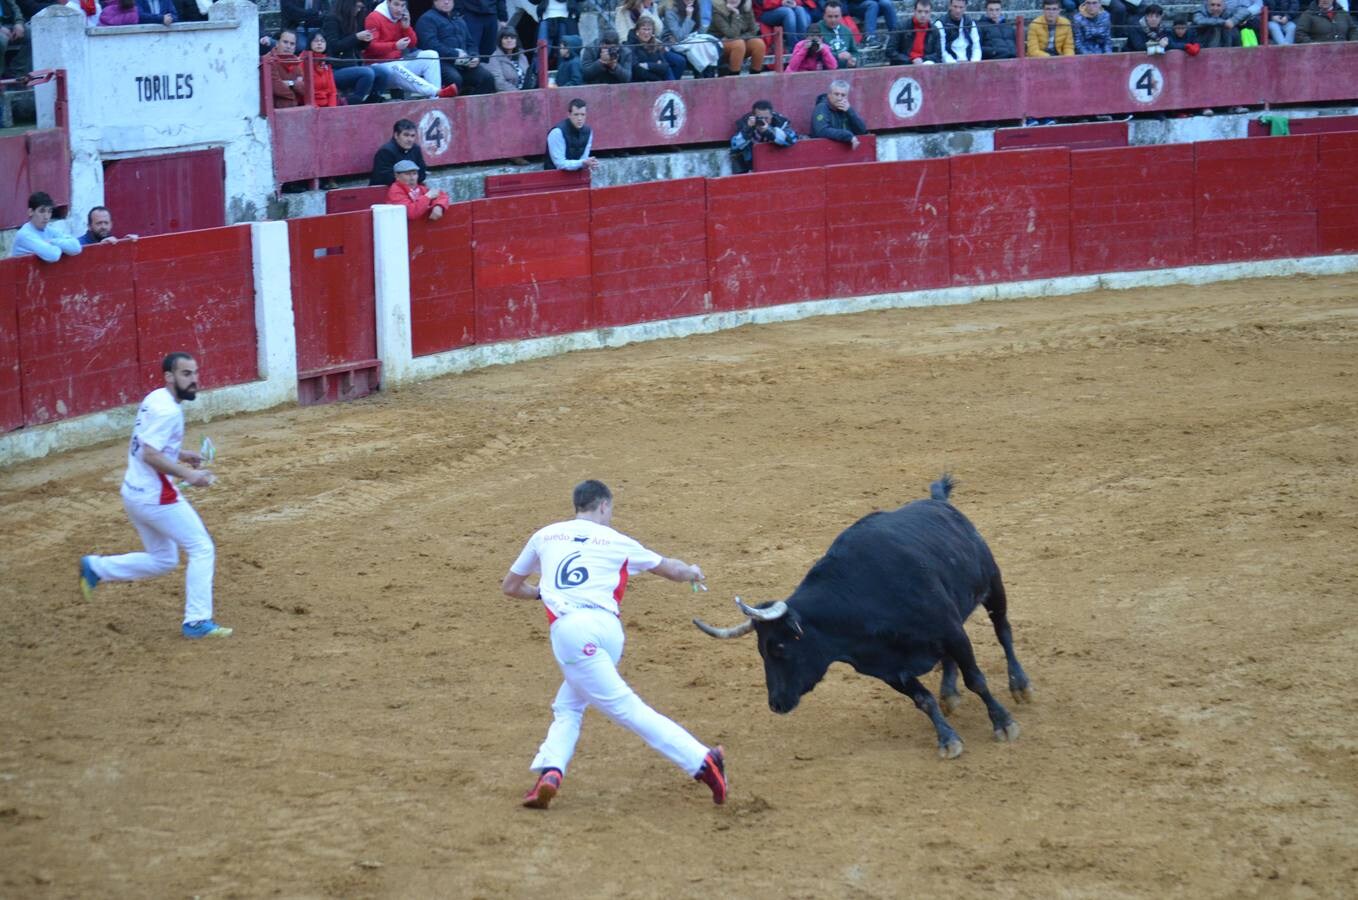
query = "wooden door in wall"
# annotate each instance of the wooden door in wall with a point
(172, 192)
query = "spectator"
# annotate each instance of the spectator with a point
(157, 12)
(1149, 34)
(345, 39)
(404, 144)
(686, 34)
(14, 39)
(323, 90)
(733, 23)
(1218, 26)
(630, 12)
(507, 65)
(570, 141)
(1323, 22)
(285, 72)
(304, 18)
(120, 12)
(1282, 21)
(568, 70)
(394, 44)
(459, 63)
(1051, 34)
(419, 201)
(791, 16)
(833, 118)
(649, 62)
(1094, 29)
(38, 237)
(607, 62)
(483, 18)
(556, 20)
(835, 34)
(810, 55)
(99, 230)
(958, 38)
(866, 12)
(998, 37)
(917, 44)
(761, 125)
(1182, 36)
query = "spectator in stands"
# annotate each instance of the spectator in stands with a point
(556, 20)
(810, 55)
(157, 12)
(733, 23)
(459, 60)
(607, 62)
(14, 45)
(649, 62)
(630, 12)
(834, 118)
(285, 72)
(419, 201)
(484, 18)
(1182, 36)
(835, 34)
(1093, 29)
(1051, 34)
(570, 141)
(1323, 22)
(323, 89)
(38, 237)
(959, 40)
(345, 39)
(917, 43)
(304, 18)
(569, 72)
(394, 44)
(791, 16)
(99, 228)
(1218, 26)
(866, 13)
(507, 65)
(998, 37)
(120, 12)
(404, 144)
(761, 125)
(1282, 21)
(1149, 34)
(686, 33)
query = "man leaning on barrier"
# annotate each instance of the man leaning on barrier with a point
(39, 237)
(761, 125)
(835, 119)
(570, 141)
(99, 228)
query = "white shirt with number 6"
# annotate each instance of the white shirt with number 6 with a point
(584, 565)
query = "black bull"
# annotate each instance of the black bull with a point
(890, 598)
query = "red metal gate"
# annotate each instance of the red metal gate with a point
(174, 192)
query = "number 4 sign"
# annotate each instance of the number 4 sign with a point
(906, 98)
(1145, 83)
(670, 113)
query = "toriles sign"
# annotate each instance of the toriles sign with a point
(151, 88)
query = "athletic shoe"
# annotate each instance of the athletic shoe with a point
(549, 782)
(88, 580)
(205, 628)
(449, 91)
(713, 774)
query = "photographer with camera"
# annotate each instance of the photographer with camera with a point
(607, 62)
(761, 125)
(811, 55)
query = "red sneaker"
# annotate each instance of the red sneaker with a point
(549, 782)
(449, 91)
(713, 774)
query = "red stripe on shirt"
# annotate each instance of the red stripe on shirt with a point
(167, 491)
(622, 584)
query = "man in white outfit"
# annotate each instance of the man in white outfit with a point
(164, 519)
(584, 566)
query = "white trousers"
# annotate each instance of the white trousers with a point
(163, 530)
(419, 75)
(587, 645)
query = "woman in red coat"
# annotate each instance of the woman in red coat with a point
(323, 77)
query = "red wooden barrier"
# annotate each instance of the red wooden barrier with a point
(887, 227)
(813, 152)
(1337, 198)
(536, 182)
(77, 342)
(342, 200)
(1079, 136)
(196, 292)
(1131, 208)
(1240, 212)
(1009, 216)
(38, 160)
(11, 395)
(442, 298)
(648, 245)
(334, 306)
(1315, 125)
(766, 238)
(532, 265)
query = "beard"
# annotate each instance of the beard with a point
(188, 393)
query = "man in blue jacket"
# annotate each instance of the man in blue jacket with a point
(835, 119)
(999, 40)
(156, 12)
(459, 60)
(484, 19)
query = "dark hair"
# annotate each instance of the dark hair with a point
(835, 3)
(1046, 3)
(589, 494)
(504, 33)
(39, 199)
(997, 2)
(928, 4)
(1181, 19)
(404, 125)
(1154, 9)
(608, 36)
(173, 359)
(576, 103)
(287, 31)
(349, 16)
(89, 217)
(762, 104)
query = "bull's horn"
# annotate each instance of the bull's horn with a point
(734, 631)
(776, 611)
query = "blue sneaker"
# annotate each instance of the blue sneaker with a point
(205, 628)
(88, 580)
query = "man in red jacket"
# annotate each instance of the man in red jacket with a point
(394, 46)
(418, 200)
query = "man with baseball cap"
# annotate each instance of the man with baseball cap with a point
(583, 566)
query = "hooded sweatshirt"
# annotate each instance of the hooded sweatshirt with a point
(386, 32)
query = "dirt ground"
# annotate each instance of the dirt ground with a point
(1167, 478)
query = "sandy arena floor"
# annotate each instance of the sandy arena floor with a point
(1167, 478)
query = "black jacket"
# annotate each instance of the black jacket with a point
(828, 122)
(295, 13)
(898, 53)
(998, 39)
(1139, 35)
(388, 155)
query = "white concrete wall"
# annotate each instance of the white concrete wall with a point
(141, 90)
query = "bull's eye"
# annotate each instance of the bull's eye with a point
(775, 650)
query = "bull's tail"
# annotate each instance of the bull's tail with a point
(942, 489)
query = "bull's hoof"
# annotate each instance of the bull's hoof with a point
(949, 703)
(1009, 732)
(951, 750)
(1023, 694)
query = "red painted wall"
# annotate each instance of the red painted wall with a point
(333, 297)
(1009, 215)
(38, 160)
(1239, 213)
(442, 295)
(1337, 197)
(1131, 208)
